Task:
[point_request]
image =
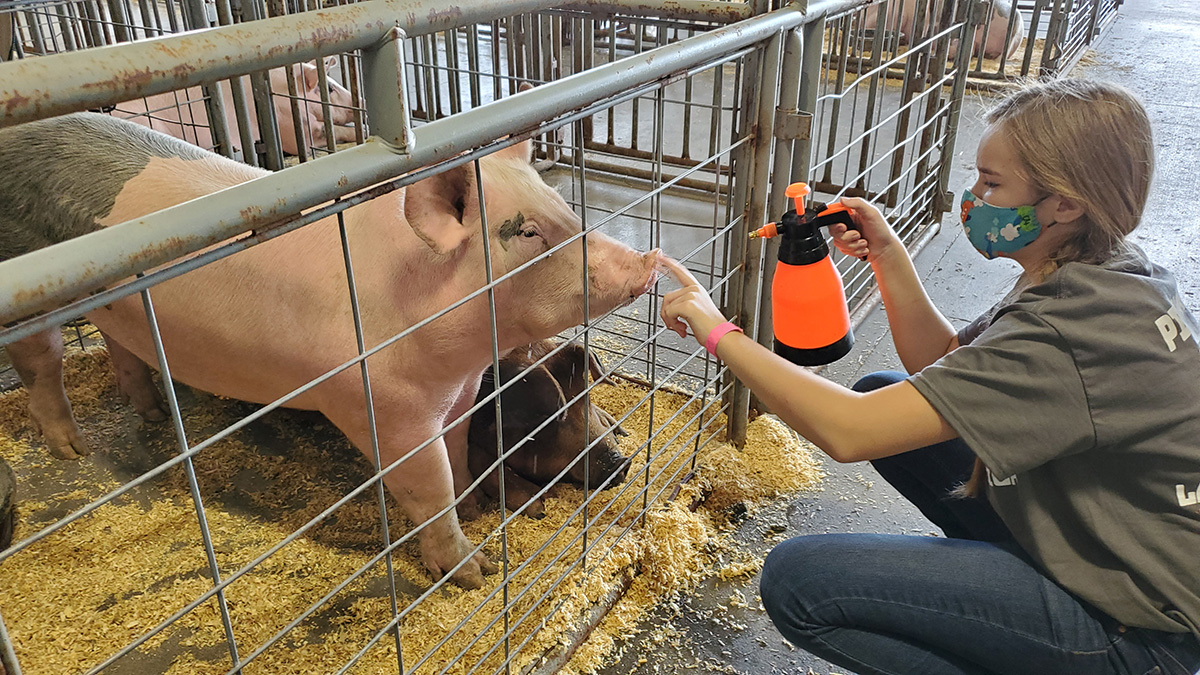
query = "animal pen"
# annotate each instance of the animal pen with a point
(245, 538)
(1058, 33)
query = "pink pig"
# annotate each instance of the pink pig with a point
(184, 115)
(997, 26)
(259, 324)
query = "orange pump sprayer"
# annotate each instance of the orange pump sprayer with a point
(812, 320)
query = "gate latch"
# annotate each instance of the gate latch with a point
(792, 124)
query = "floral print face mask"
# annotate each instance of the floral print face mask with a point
(993, 229)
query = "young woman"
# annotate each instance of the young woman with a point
(1055, 440)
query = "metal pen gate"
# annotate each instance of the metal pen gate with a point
(676, 130)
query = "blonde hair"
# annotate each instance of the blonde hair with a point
(1088, 141)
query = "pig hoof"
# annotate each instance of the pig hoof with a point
(536, 510)
(71, 448)
(487, 566)
(154, 414)
(469, 508)
(469, 576)
(145, 400)
(62, 436)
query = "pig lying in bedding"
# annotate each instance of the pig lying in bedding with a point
(543, 393)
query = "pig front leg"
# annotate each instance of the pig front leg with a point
(517, 491)
(38, 361)
(422, 484)
(135, 382)
(425, 481)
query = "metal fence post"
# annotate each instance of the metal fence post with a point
(214, 103)
(1093, 22)
(756, 204)
(8, 657)
(943, 200)
(1060, 18)
(790, 125)
(810, 80)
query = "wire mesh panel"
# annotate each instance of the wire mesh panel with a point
(1031, 38)
(243, 535)
(271, 119)
(312, 483)
(883, 119)
(1044, 39)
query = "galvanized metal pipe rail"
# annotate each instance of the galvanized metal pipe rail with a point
(53, 276)
(80, 80)
(69, 82)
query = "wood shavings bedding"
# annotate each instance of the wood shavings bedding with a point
(76, 597)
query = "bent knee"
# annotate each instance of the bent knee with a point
(803, 573)
(878, 380)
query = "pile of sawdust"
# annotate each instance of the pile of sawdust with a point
(76, 597)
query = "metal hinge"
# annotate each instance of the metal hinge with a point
(977, 12)
(944, 202)
(792, 124)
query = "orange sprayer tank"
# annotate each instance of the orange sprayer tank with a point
(812, 320)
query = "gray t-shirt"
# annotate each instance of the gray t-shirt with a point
(1081, 394)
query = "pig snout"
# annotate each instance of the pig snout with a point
(607, 468)
(622, 274)
(617, 466)
(655, 269)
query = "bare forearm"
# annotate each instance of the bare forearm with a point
(808, 403)
(846, 425)
(921, 333)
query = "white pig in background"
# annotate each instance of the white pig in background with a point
(261, 323)
(997, 26)
(183, 115)
(1002, 12)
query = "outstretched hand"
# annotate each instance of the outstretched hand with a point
(690, 306)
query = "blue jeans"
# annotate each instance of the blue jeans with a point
(971, 603)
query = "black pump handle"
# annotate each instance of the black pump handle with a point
(822, 215)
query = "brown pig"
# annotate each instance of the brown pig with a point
(542, 393)
(183, 114)
(8, 501)
(260, 324)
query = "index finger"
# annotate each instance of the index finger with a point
(681, 273)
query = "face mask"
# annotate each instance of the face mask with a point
(993, 230)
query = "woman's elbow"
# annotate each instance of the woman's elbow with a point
(844, 451)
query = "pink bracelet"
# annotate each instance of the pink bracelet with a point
(710, 343)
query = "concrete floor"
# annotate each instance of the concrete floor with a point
(1150, 48)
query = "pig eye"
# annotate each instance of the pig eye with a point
(529, 233)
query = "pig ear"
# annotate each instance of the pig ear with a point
(522, 151)
(570, 368)
(436, 207)
(597, 369)
(530, 401)
(310, 76)
(330, 63)
(610, 421)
